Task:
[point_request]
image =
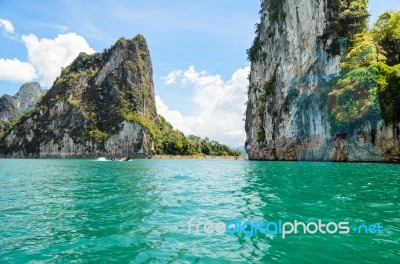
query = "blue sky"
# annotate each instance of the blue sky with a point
(198, 50)
(212, 35)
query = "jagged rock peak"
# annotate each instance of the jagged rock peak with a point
(28, 95)
(102, 104)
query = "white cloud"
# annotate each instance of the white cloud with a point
(14, 70)
(45, 56)
(172, 116)
(220, 106)
(172, 76)
(7, 25)
(49, 55)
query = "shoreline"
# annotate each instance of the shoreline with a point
(198, 157)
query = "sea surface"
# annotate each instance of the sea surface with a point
(93, 211)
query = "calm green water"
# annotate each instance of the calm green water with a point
(87, 211)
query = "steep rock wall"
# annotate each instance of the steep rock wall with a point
(287, 116)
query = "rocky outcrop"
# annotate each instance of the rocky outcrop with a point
(288, 114)
(24, 101)
(101, 105)
(131, 141)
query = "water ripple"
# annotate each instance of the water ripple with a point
(62, 211)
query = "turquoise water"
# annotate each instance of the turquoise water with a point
(87, 211)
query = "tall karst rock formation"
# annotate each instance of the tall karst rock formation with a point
(296, 55)
(100, 105)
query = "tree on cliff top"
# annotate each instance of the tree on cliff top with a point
(387, 33)
(365, 51)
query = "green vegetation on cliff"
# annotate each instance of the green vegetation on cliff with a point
(346, 18)
(368, 87)
(386, 33)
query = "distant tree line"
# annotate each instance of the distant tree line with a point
(173, 142)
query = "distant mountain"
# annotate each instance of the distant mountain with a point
(28, 96)
(242, 150)
(12, 107)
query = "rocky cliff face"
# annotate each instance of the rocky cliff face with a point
(24, 101)
(288, 114)
(100, 105)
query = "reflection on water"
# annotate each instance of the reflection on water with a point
(138, 211)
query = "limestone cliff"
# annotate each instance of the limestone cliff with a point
(294, 58)
(100, 105)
